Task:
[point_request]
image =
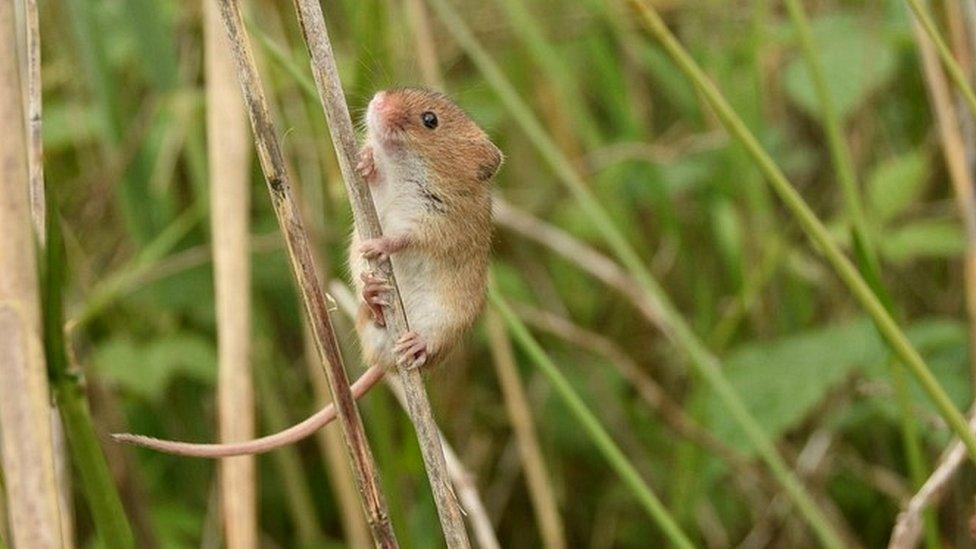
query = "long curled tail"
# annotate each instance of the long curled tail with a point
(259, 445)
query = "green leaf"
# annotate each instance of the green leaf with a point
(727, 228)
(856, 62)
(784, 380)
(928, 238)
(896, 184)
(148, 369)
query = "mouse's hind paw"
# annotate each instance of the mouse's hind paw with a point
(375, 294)
(410, 351)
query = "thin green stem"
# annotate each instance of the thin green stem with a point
(846, 175)
(281, 56)
(917, 468)
(840, 155)
(812, 226)
(97, 484)
(92, 468)
(672, 323)
(618, 461)
(952, 67)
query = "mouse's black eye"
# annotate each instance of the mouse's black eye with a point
(429, 119)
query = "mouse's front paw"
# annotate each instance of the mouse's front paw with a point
(381, 248)
(376, 248)
(367, 166)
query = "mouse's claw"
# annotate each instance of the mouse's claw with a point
(366, 165)
(376, 248)
(374, 294)
(410, 351)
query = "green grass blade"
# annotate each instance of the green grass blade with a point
(812, 226)
(952, 67)
(155, 41)
(676, 328)
(280, 56)
(864, 249)
(618, 461)
(839, 153)
(97, 484)
(553, 63)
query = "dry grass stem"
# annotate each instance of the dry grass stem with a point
(467, 490)
(286, 209)
(329, 440)
(35, 144)
(908, 528)
(38, 209)
(229, 154)
(520, 415)
(954, 151)
(463, 480)
(578, 253)
(333, 100)
(28, 459)
(28, 456)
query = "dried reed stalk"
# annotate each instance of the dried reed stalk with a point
(272, 162)
(329, 440)
(463, 480)
(229, 155)
(578, 253)
(519, 413)
(35, 192)
(35, 145)
(329, 87)
(908, 528)
(28, 456)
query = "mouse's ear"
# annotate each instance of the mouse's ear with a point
(493, 159)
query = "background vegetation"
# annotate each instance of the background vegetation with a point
(125, 150)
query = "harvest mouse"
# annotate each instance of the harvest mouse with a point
(429, 168)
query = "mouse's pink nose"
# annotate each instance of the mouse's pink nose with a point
(379, 102)
(384, 114)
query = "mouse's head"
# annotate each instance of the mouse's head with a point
(409, 123)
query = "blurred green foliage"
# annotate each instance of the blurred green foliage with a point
(124, 145)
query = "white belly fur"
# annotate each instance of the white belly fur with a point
(399, 206)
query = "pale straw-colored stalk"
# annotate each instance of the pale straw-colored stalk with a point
(229, 155)
(520, 415)
(28, 455)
